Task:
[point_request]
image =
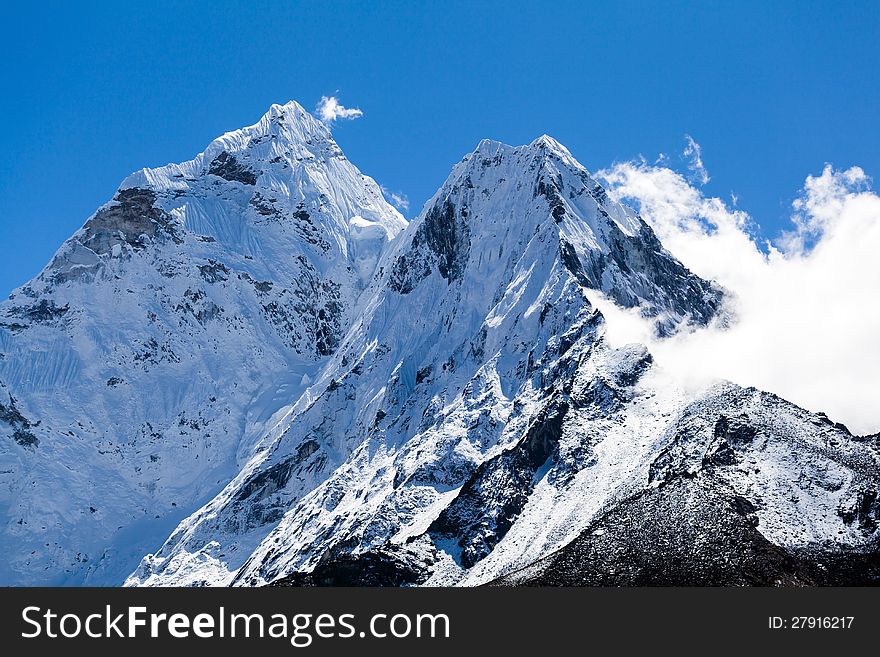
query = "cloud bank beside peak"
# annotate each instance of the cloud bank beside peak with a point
(806, 307)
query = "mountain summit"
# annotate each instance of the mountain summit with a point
(251, 357)
(150, 356)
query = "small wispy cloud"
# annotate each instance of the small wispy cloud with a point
(329, 109)
(693, 152)
(398, 199)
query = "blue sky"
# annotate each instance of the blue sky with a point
(93, 91)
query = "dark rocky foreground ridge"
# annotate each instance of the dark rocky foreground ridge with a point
(692, 531)
(689, 532)
(689, 525)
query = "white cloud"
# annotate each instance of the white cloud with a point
(807, 308)
(398, 199)
(821, 206)
(329, 109)
(693, 152)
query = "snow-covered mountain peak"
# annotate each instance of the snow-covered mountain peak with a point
(286, 128)
(543, 167)
(286, 137)
(283, 175)
(292, 112)
(546, 141)
(500, 200)
(158, 345)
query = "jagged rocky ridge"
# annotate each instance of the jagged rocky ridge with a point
(463, 416)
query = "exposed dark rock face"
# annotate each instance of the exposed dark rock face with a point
(133, 220)
(309, 318)
(267, 481)
(328, 326)
(408, 270)
(229, 168)
(701, 521)
(632, 269)
(634, 368)
(379, 567)
(263, 206)
(443, 239)
(688, 293)
(648, 267)
(214, 272)
(446, 234)
(196, 304)
(572, 263)
(43, 311)
(13, 327)
(262, 287)
(21, 426)
(262, 495)
(729, 436)
(690, 532)
(549, 189)
(862, 508)
(306, 226)
(490, 501)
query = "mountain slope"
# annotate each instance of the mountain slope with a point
(252, 357)
(469, 347)
(139, 370)
(748, 490)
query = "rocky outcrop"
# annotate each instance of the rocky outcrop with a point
(440, 241)
(228, 167)
(132, 219)
(378, 567)
(491, 499)
(692, 532)
(44, 311)
(747, 490)
(18, 423)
